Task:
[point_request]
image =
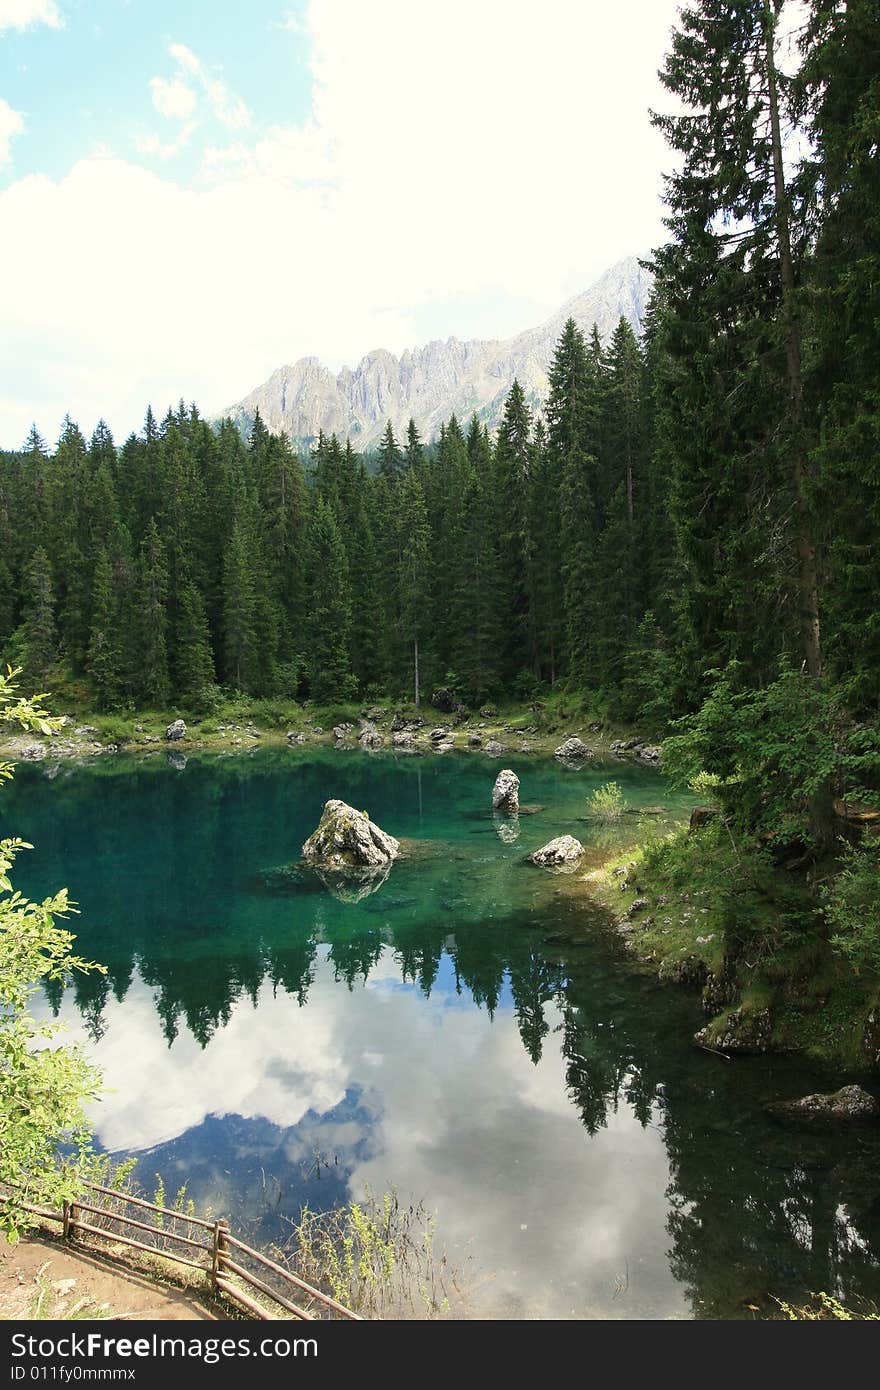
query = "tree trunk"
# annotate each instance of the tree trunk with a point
(822, 814)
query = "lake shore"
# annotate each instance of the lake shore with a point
(513, 729)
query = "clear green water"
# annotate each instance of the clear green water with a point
(471, 1033)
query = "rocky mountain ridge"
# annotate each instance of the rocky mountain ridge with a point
(430, 383)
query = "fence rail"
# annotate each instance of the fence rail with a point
(211, 1242)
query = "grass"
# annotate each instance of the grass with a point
(378, 1257)
(694, 906)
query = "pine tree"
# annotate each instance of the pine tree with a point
(389, 457)
(239, 611)
(152, 621)
(39, 615)
(193, 659)
(413, 579)
(103, 661)
(513, 465)
(330, 673)
(730, 281)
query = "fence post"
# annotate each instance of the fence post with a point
(220, 1248)
(65, 1230)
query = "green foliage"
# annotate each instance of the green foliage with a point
(43, 1087)
(852, 907)
(606, 804)
(824, 1307)
(772, 750)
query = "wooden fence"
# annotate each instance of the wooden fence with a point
(209, 1246)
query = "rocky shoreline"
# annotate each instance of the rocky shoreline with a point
(373, 728)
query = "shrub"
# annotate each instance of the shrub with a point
(607, 804)
(852, 908)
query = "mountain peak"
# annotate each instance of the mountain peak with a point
(440, 378)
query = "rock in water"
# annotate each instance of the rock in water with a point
(565, 849)
(840, 1107)
(505, 793)
(176, 730)
(573, 750)
(348, 839)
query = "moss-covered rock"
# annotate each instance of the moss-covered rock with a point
(348, 839)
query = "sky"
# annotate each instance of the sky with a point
(192, 195)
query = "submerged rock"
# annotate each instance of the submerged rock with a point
(848, 1104)
(505, 793)
(506, 828)
(176, 730)
(350, 887)
(573, 750)
(348, 839)
(565, 849)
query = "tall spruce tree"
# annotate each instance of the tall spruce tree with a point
(152, 619)
(103, 660)
(730, 280)
(330, 673)
(413, 578)
(40, 636)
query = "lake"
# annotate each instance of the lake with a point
(471, 1034)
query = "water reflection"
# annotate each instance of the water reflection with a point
(467, 1032)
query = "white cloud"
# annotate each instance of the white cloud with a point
(175, 98)
(468, 1139)
(21, 14)
(11, 124)
(154, 147)
(172, 97)
(230, 110)
(456, 155)
(185, 57)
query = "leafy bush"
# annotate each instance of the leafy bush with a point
(43, 1087)
(607, 804)
(773, 752)
(852, 907)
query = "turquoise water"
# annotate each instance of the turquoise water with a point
(470, 1033)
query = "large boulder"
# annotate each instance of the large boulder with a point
(848, 1104)
(573, 750)
(348, 839)
(369, 736)
(176, 730)
(565, 849)
(443, 699)
(505, 793)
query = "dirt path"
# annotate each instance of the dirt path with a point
(60, 1277)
